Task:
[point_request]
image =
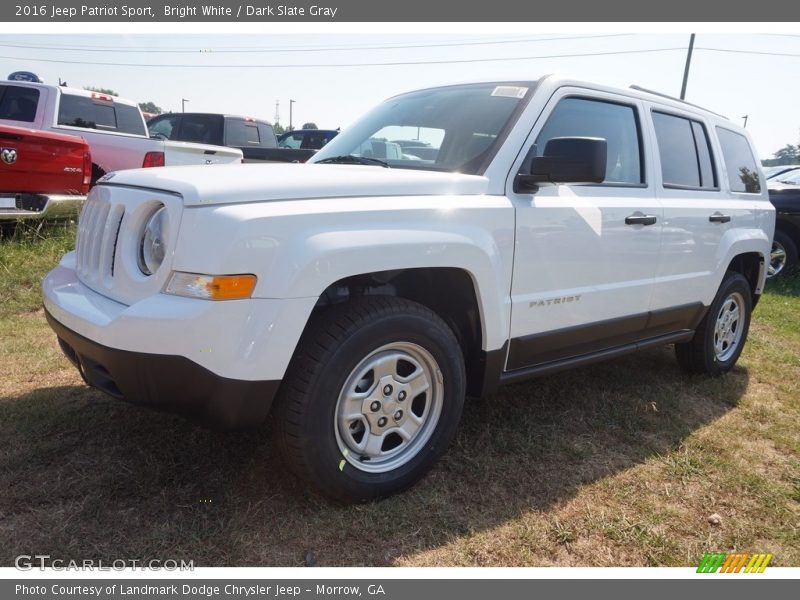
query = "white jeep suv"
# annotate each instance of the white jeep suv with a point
(360, 297)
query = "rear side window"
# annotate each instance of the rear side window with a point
(267, 135)
(129, 119)
(616, 123)
(18, 103)
(685, 152)
(201, 129)
(242, 133)
(739, 162)
(90, 113)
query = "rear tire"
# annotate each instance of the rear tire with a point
(783, 257)
(372, 398)
(720, 337)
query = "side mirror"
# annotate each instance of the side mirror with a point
(565, 160)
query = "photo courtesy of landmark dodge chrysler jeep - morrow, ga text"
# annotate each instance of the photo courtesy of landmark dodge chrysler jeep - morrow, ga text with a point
(361, 296)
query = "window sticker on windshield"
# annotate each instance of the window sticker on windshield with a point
(510, 91)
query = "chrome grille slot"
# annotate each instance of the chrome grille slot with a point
(97, 237)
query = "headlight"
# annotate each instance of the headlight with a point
(153, 243)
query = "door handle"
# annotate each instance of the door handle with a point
(638, 218)
(719, 218)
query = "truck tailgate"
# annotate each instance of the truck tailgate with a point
(188, 153)
(41, 162)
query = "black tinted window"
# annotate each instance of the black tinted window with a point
(242, 133)
(615, 123)
(267, 135)
(18, 103)
(739, 162)
(129, 119)
(81, 111)
(201, 129)
(684, 151)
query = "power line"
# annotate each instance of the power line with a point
(391, 63)
(354, 64)
(243, 50)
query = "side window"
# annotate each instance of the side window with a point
(684, 150)
(18, 103)
(129, 119)
(166, 126)
(267, 135)
(739, 161)
(201, 129)
(616, 123)
(292, 141)
(81, 111)
(242, 133)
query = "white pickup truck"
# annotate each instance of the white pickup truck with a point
(113, 127)
(553, 223)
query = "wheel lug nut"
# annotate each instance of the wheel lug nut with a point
(387, 390)
(398, 415)
(375, 406)
(402, 395)
(382, 422)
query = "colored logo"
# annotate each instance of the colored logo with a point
(714, 562)
(8, 155)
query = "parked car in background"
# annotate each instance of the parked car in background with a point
(42, 174)
(780, 171)
(784, 193)
(254, 137)
(113, 127)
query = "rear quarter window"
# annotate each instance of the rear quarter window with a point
(739, 162)
(241, 133)
(81, 111)
(18, 103)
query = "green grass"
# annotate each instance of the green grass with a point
(620, 463)
(24, 260)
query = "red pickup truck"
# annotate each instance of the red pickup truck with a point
(42, 174)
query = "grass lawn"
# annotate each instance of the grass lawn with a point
(620, 463)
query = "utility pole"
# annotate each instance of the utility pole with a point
(745, 120)
(277, 111)
(183, 104)
(686, 68)
(291, 103)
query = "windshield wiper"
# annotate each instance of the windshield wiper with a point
(349, 159)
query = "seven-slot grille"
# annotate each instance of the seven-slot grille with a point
(96, 245)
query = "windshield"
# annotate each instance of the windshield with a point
(457, 128)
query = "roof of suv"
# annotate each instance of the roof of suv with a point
(210, 114)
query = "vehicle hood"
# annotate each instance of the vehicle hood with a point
(234, 184)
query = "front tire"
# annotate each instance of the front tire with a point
(719, 339)
(372, 398)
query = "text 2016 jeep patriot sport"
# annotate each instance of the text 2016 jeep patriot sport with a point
(558, 223)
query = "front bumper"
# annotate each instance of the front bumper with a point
(222, 361)
(167, 382)
(39, 206)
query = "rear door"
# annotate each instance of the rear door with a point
(583, 266)
(699, 212)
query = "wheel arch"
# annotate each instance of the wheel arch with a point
(451, 292)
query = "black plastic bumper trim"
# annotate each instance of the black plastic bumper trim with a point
(167, 382)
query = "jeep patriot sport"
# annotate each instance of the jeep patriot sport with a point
(360, 297)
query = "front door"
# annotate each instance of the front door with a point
(586, 255)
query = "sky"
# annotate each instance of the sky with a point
(334, 78)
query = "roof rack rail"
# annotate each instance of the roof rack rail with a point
(642, 89)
